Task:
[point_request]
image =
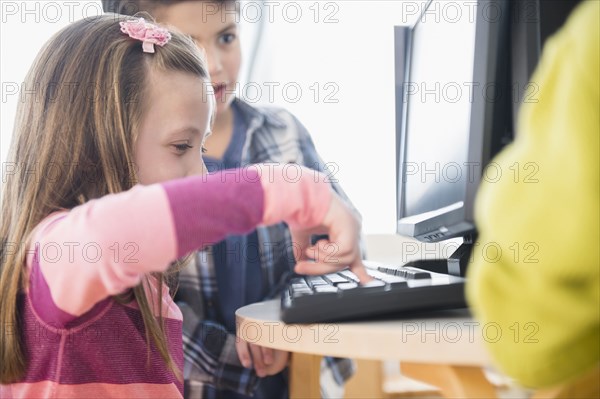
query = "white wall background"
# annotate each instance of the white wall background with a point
(328, 62)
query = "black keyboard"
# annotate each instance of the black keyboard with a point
(394, 290)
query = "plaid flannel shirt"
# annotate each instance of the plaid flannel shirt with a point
(273, 136)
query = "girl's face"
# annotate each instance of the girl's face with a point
(176, 121)
(214, 29)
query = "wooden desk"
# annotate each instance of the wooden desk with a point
(444, 349)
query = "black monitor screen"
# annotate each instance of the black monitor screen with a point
(439, 95)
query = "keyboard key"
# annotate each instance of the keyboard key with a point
(416, 274)
(300, 285)
(335, 278)
(349, 275)
(347, 286)
(412, 274)
(325, 288)
(316, 281)
(374, 283)
(385, 277)
(297, 293)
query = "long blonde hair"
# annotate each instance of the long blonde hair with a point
(73, 141)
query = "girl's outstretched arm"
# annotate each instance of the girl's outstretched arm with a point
(105, 246)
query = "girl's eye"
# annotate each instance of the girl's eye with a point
(182, 147)
(204, 150)
(227, 38)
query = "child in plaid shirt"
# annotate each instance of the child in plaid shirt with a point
(241, 269)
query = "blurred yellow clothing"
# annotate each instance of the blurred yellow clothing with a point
(536, 287)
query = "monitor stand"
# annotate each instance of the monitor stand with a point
(459, 260)
(455, 265)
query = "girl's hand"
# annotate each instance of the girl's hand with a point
(266, 361)
(342, 249)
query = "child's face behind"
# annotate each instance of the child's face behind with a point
(214, 28)
(175, 123)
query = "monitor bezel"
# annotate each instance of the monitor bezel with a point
(458, 220)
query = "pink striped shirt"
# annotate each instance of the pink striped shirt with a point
(79, 341)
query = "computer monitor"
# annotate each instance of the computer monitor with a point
(453, 115)
(462, 71)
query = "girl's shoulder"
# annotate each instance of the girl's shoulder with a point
(40, 230)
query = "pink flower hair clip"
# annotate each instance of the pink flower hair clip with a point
(150, 34)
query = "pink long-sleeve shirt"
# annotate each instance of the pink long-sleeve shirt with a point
(79, 341)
